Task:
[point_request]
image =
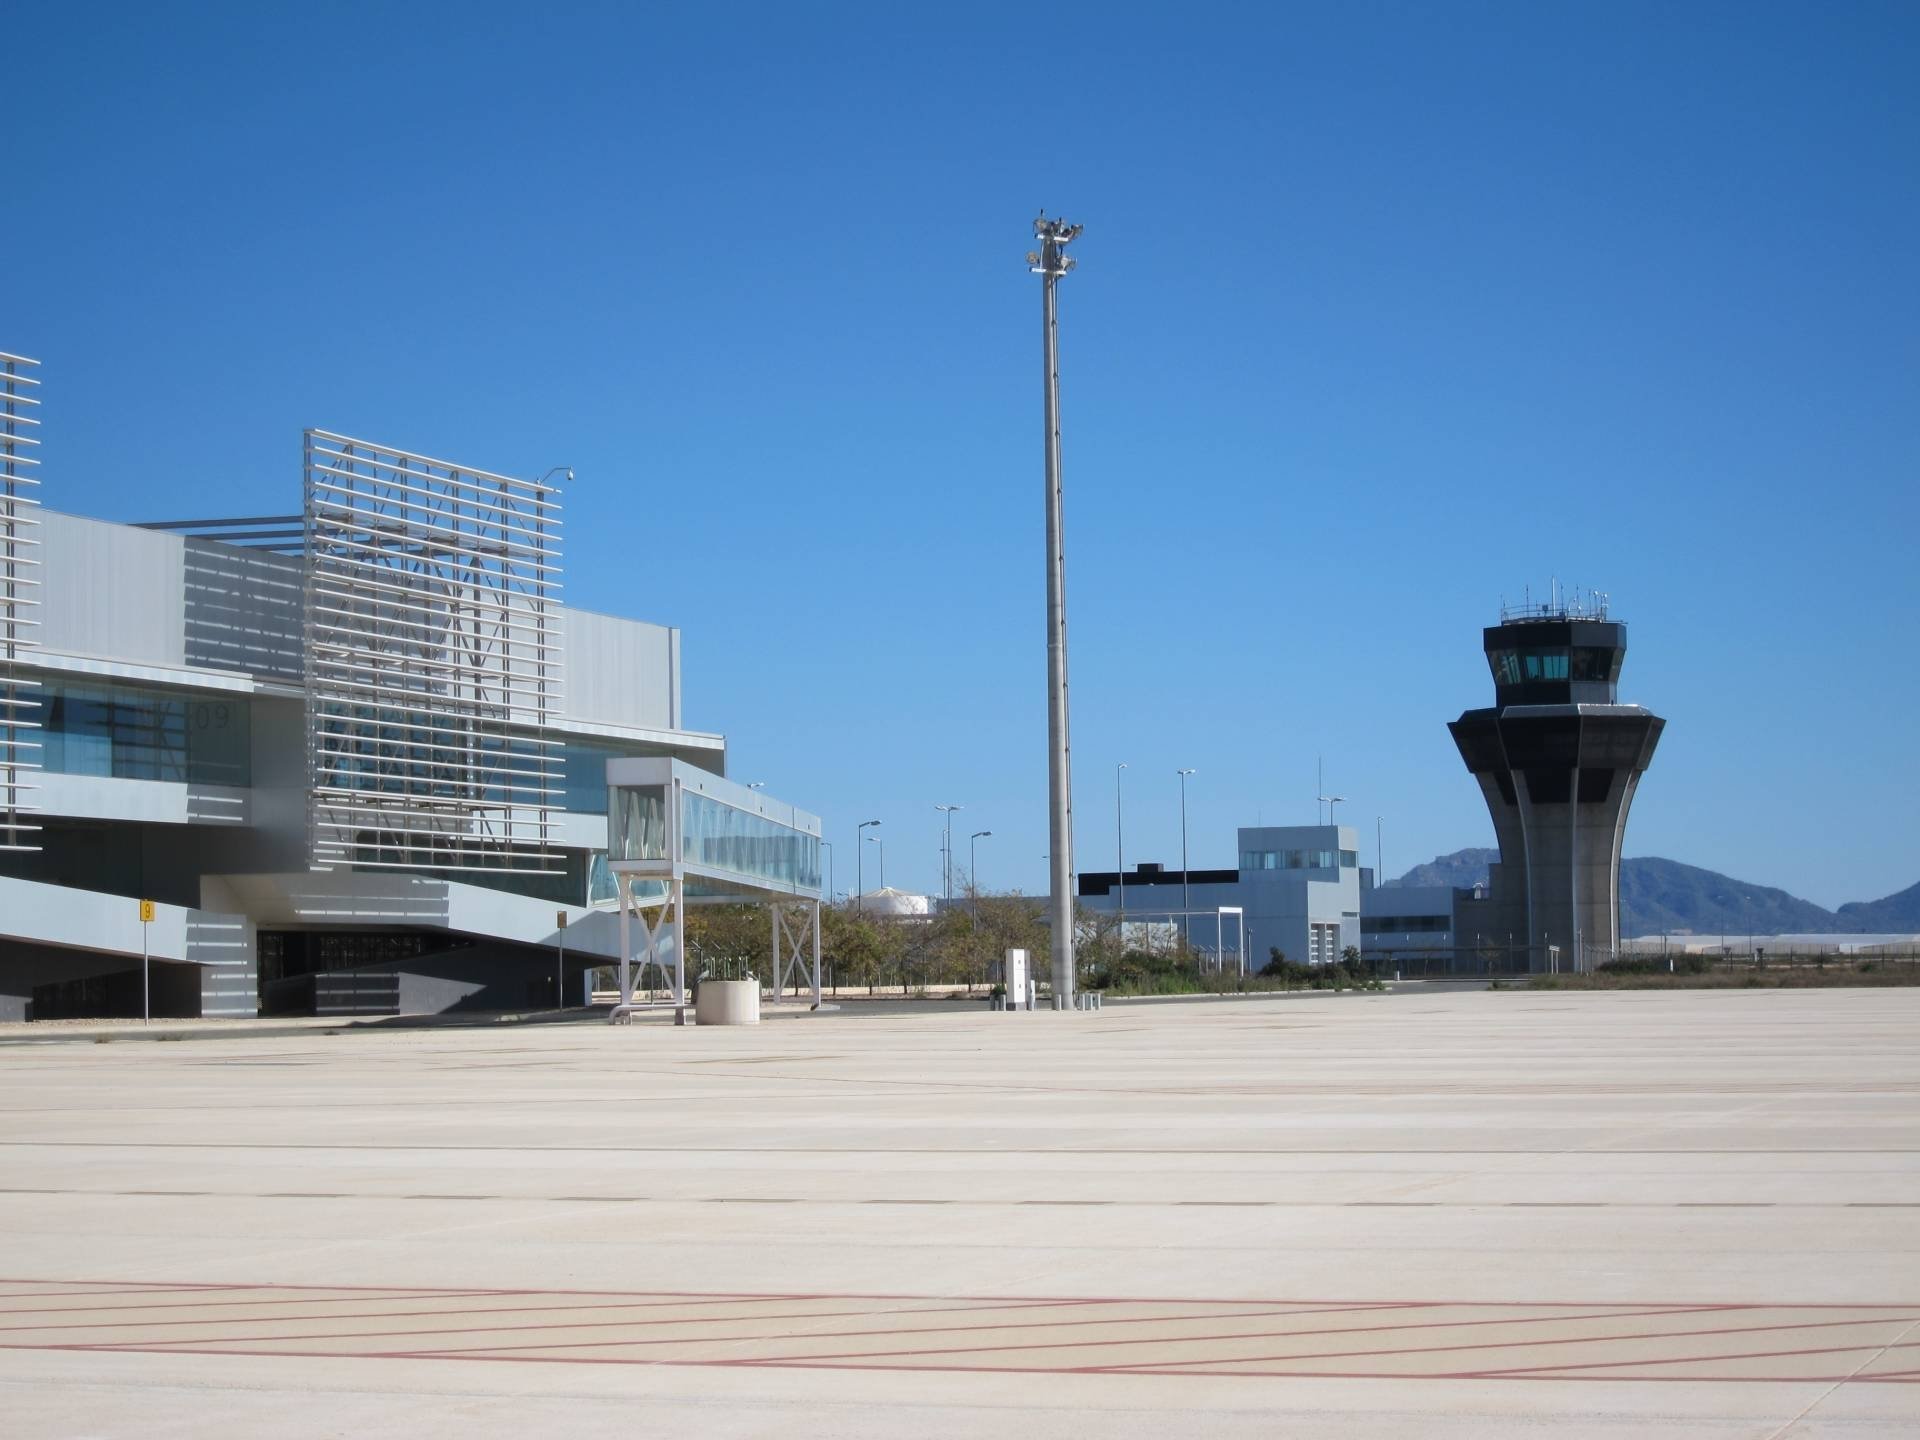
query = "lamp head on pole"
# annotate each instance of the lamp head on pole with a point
(1054, 236)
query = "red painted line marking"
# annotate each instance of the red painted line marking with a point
(210, 1287)
(1168, 1308)
(362, 1298)
(1257, 1335)
(81, 1295)
(89, 1295)
(1702, 1359)
(355, 1299)
(831, 1334)
(1555, 1340)
(259, 1339)
(427, 1291)
(1520, 1376)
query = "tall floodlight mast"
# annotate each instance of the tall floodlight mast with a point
(1049, 262)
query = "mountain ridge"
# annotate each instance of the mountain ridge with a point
(1659, 895)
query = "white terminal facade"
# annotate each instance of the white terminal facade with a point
(357, 758)
(1297, 890)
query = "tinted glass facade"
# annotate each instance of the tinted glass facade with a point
(724, 838)
(1581, 662)
(1405, 924)
(1299, 859)
(130, 732)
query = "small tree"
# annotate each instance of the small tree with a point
(852, 944)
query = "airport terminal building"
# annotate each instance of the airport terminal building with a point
(356, 759)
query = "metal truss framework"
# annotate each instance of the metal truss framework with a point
(434, 658)
(671, 902)
(796, 941)
(19, 602)
(796, 947)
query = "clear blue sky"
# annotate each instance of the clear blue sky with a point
(1384, 311)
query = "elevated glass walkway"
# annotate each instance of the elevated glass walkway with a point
(678, 835)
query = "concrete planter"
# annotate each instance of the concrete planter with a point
(727, 1002)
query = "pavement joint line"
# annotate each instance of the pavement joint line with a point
(1089, 1202)
(1819, 1399)
(1047, 1150)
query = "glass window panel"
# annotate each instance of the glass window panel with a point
(1592, 662)
(725, 838)
(82, 722)
(637, 826)
(219, 742)
(600, 884)
(134, 733)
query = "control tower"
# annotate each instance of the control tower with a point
(1558, 759)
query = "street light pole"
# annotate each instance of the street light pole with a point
(876, 840)
(1120, 853)
(1186, 890)
(973, 875)
(946, 853)
(1049, 262)
(860, 861)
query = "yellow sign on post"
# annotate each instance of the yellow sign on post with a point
(146, 965)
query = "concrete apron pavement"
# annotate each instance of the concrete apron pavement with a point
(1436, 1214)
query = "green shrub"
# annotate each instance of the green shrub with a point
(1655, 965)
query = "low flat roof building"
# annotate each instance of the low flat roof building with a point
(1297, 889)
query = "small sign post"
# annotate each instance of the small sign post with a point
(560, 962)
(146, 965)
